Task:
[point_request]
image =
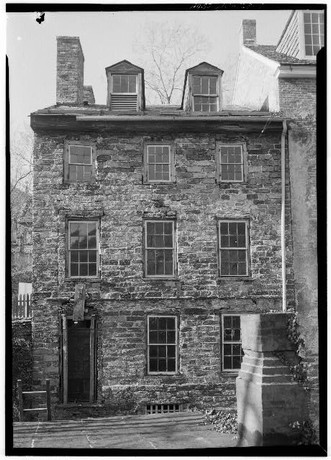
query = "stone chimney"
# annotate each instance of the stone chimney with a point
(88, 98)
(248, 30)
(70, 71)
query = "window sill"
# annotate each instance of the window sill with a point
(159, 279)
(160, 183)
(163, 374)
(82, 279)
(234, 278)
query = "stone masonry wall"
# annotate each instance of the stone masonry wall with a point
(122, 298)
(298, 102)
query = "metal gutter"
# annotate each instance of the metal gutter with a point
(282, 217)
(296, 71)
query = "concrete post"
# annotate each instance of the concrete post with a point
(268, 400)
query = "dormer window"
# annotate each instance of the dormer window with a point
(202, 89)
(205, 96)
(125, 84)
(313, 32)
(125, 87)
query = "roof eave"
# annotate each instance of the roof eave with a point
(296, 71)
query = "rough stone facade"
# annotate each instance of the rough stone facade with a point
(122, 298)
(70, 72)
(298, 102)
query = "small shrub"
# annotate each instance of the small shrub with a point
(305, 432)
(223, 421)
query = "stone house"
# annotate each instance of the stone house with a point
(282, 79)
(154, 228)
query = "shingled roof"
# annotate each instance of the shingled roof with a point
(270, 52)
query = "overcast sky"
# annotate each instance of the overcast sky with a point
(107, 38)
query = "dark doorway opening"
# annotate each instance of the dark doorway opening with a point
(79, 361)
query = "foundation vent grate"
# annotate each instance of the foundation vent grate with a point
(163, 408)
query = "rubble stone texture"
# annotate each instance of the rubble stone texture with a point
(121, 298)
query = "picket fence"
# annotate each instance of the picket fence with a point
(21, 306)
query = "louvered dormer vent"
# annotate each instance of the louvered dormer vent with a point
(123, 102)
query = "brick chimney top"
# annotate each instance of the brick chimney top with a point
(249, 32)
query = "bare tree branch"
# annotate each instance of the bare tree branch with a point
(166, 51)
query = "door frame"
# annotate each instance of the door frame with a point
(64, 355)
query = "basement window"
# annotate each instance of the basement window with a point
(231, 162)
(232, 352)
(124, 95)
(205, 93)
(79, 162)
(159, 163)
(162, 344)
(233, 248)
(83, 253)
(163, 408)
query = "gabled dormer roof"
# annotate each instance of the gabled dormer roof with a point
(125, 67)
(204, 68)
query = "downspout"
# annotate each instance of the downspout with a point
(282, 217)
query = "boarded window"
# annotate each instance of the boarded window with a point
(233, 248)
(159, 249)
(159, 163)
(232, 352)
(162, 344)
(83, 248)
(79, 163)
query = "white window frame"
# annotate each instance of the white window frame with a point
(83, 221)
(123, 75)
(224, 342)
(67, 162)
(174, 252)
(302, 42)
(175, 344)
(246, 248)
(243, 162)
(147, 180)
(217, 95)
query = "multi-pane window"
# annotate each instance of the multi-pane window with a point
(313, 32)
(78, 163)
(232, 352)
(162, 344)
(124, 84)
(233, 248)
(159, 248)
(231, 161)
(205, 93)
(158, 163)
(83, 248)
